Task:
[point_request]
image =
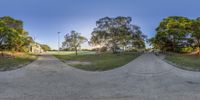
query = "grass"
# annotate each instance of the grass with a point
(188, 62)
(11, 63)
(102, 62)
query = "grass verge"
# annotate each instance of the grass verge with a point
(187, 62)
(11, 63)
(102, 62)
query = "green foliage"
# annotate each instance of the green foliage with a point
(172, 32)
(12, 35)
(185, 50)
(177, 34)
(117, 33)
(195, 30)
(45, 47)
(73, 40)
(24, 49)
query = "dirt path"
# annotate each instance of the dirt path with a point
(145, 78)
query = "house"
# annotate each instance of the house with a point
(35, 48)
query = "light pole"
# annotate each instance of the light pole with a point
(58, 41)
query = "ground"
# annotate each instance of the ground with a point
(90, 61)
(145, 78)
(184, 61)
(16, 61)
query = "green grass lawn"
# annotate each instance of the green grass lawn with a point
(102, 62)
(15, 62)
(187, 62)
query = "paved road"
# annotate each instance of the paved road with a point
(145, 78)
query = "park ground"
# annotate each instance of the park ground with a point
(185, 61)
(107, 61)
(14, 60)
(147, 77)
(90, 61)
(96, 62)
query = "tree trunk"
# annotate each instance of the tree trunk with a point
(199, 50)
(98, 50)
(124, 48)
(113, 50)
(2, 53)
(173, 46)
(76, 50)
(174, 50)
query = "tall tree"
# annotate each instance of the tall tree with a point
(195, 30)
(73, 40)
(45, 47)
(12, 34)
(115, 32)
(171, 33)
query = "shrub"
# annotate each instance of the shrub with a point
(186, 50)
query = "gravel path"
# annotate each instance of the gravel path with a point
(145, 78)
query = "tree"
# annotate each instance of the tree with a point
(115, 32)
(73, 40)
(195, 33)
(172, 33)
(45, 47)
(137, 37)
(12, 23)
(7, 38)
(12, 35)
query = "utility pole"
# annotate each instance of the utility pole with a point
(58, 41)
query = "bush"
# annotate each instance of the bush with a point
(24, 49)
(186, 50)
(133, 50)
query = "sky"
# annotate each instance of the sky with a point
(44, 18)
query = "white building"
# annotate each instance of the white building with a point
(36, 48)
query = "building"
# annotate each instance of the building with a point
(36, 48)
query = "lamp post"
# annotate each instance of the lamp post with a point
(58, 41)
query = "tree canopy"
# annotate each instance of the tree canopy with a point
(117, 33)
(45, 47)
(175, 33)
(12, 35)
(73, 41)
(195, 33)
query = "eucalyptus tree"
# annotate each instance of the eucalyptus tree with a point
(3, 31)
(115, 32)
(195, 33)
(7, 35)
(172, 33)
(138, 38)
(73, 40)
(45, 47)
(12, 34)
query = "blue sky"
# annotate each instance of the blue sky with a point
(44, 18)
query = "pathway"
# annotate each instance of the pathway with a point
(145, 78)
